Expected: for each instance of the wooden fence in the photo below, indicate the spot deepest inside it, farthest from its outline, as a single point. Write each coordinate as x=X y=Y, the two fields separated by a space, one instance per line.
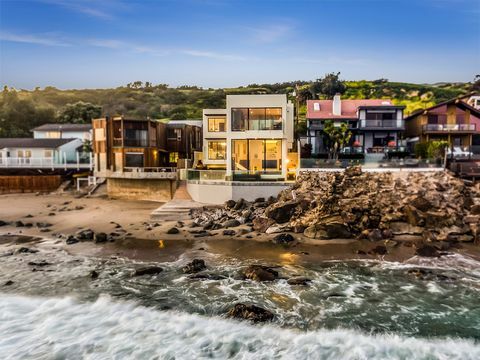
x=29 y=183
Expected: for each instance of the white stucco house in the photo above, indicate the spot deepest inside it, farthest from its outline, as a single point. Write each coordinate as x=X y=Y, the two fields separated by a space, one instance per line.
x=63 y=131
x=250 y=138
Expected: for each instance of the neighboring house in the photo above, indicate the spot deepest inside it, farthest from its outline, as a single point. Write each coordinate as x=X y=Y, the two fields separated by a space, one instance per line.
x=374 y=123
x=63 y=131
x=184 y=138
x=455 y=121
x=251 y=138
x=39 y=153
x=124 y=143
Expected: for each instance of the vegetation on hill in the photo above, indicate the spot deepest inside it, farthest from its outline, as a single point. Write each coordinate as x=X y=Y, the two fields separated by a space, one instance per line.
x=21 y=110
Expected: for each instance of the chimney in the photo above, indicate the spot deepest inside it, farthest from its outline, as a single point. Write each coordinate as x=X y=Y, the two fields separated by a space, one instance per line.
x=337 y=105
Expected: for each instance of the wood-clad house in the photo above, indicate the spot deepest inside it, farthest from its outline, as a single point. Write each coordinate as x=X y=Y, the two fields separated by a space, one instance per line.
x=454 y=120
x=122 y=143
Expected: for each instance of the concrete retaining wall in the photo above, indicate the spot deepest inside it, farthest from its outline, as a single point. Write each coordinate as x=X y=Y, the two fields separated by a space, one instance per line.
x=217 y=192
x=141 y=189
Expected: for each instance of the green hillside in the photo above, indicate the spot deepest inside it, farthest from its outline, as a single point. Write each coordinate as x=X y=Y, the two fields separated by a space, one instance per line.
x=20 y=110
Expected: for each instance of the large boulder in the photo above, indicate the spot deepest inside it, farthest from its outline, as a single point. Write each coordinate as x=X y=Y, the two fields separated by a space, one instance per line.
x=421 y=203
x=259 y=273
x=328 y=228
x=101 y=237
x=231 y=223
x=148 y=270
x=281 y=212
x=85 y=234
x=402 y=228
x=427 y=251
x=283 y=239
x=250 y=312
x=195 y=266
x=261 y=224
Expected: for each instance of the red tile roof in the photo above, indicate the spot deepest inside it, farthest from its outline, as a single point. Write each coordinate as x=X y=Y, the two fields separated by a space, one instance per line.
x=349 y=108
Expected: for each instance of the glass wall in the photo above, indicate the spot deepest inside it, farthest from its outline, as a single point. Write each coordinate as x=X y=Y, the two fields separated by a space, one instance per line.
x=256 y=119
x=216 y=124
x=217 y=149
x=257 y=155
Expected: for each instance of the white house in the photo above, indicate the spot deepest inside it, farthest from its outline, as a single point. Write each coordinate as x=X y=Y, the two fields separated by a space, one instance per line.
x=63 y=131
x=40 y=153
x=250 y=138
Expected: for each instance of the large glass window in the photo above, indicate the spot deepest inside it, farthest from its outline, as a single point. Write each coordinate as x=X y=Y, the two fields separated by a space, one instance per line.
x=256 y=119
x=53 y=134
x=216 y=124
x=134 y=160
x=257 y=155
x=174 y=133
x=135 y=134
x=239 y=119
x=217 y=149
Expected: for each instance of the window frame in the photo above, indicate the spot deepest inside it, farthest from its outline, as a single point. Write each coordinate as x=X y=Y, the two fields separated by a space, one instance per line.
x=210 y=141
x=216 y=124
x=265 y=119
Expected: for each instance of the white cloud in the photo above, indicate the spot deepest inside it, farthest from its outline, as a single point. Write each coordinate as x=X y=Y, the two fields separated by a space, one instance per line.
x=37 y=39
x=270 y=34
x=86 y=7
x=212 y=55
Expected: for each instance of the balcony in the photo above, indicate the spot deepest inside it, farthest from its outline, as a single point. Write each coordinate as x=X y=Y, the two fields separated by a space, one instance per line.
x=446 y=128
x=46 y=163
x=381 y=124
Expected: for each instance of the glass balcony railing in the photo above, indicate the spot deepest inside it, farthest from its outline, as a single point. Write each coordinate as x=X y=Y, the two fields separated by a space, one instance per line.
x=206 y=175
x=449 y=127
x=379 y=124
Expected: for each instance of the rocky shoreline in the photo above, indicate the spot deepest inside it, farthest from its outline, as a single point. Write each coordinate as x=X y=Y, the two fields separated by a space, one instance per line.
x=432 y=212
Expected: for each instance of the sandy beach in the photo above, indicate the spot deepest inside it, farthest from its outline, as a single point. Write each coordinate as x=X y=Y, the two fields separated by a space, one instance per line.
x=146 y=240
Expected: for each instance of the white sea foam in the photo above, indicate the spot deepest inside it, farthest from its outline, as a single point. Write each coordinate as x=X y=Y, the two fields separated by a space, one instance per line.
x=47 y=328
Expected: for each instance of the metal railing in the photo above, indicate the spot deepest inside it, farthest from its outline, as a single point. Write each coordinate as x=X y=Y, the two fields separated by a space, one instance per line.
x=381 y=163
x=396 y=124
x=44 y=162
x=449 y=127
x=206 y=175
x=149 y=169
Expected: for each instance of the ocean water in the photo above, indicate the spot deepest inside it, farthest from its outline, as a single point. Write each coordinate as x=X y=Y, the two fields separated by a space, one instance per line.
x=351 y=310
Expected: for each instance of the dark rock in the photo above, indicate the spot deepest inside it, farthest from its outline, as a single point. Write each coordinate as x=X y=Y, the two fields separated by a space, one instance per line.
x=51 y=214
x=250 y=312
x=231 y=223
x=148 y=270
x=3 y=223
x=361 y=252
x=259 y=273
x=43 y=225
x=45 y=230
x=387 y=234
x=195 y=266
x=282 y=239
x=87 y=234
x=25 y=250
x=378 y=250
x=329 y=228
x=229 y=204
x=259 y=200
x=421 y=203
x=79 y=207
x=261 y=224
x=40 y=263
x=240 y=204
x=215 y=277
x=229 y=232
x=375 y=235
x=281 y=212
x=475 y=210
x=8 y=283
x=427 y=251
x=29 y=216
x=29 y=225
x=202 y=234
x=101 y=237
x=71 y=240
x=18 y=223
x=93 y=275
x=299 y=281
x=173 y=231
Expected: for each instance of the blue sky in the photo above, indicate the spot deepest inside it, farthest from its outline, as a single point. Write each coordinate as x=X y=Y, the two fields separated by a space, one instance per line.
x=222 y=43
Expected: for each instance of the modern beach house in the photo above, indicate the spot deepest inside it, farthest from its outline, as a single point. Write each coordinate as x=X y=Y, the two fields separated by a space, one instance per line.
x=251 y=138
x=456 y=121
x=63 y=131
x=376 y=124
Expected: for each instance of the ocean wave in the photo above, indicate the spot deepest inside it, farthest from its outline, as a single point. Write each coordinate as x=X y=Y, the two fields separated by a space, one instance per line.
x=46 y=328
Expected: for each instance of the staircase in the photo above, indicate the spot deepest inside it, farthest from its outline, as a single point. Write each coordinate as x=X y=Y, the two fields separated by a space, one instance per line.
x=178 y=208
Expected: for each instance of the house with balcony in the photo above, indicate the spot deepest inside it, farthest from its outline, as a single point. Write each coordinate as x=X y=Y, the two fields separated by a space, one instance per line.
x=376 y=124
x=184 y=139
x=63 y=131
x=251 y=138
x=28 y=153
x=456 y=121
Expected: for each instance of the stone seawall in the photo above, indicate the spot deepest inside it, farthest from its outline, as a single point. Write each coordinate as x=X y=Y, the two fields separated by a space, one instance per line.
x=141 y=189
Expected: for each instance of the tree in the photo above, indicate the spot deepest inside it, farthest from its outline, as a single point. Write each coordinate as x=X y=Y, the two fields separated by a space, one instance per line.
x=329 y=86
x=476 y=83
x=337 y=136
x=79 y=113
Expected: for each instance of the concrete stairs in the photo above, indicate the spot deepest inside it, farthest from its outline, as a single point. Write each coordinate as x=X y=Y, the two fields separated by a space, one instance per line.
x=178 y=208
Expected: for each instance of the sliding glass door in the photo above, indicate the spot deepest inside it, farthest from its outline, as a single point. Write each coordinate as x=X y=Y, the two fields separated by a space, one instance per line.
x=257 y=156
